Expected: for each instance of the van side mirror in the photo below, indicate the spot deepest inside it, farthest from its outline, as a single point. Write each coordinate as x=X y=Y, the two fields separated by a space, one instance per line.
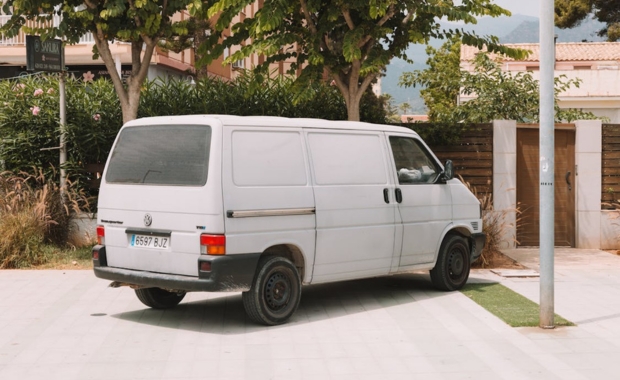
x=448 y=171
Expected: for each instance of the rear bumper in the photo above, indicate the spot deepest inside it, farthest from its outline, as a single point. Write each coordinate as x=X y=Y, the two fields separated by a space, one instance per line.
x=479 y=240
x=228 y=273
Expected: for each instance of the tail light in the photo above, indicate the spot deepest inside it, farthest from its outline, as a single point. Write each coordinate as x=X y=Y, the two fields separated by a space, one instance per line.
x=100 y=235
x=212 y=244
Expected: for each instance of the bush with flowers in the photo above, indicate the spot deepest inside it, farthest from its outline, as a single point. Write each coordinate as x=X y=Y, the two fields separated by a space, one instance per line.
x=30 y=131
x=29 y=116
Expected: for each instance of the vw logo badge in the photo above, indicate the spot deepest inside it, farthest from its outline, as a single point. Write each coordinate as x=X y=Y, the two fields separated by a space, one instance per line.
x=148 y=219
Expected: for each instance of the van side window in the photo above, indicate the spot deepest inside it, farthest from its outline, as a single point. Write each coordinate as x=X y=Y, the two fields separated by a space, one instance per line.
x=413 y=164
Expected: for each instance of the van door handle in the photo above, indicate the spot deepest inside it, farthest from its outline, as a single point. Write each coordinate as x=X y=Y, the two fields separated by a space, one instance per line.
x=570 y=187
x=399 y=195
x=386 y=195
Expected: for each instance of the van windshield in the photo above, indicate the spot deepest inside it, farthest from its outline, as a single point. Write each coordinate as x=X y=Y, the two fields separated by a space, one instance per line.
x=161 y=155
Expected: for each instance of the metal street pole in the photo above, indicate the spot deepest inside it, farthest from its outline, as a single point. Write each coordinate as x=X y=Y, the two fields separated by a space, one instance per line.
x=63 y=123
x=547 y=161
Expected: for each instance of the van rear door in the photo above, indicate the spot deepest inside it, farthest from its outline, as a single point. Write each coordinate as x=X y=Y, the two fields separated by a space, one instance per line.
x=160 y=191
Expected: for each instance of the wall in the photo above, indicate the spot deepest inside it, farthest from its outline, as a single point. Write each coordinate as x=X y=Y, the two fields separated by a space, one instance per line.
x=593 y=227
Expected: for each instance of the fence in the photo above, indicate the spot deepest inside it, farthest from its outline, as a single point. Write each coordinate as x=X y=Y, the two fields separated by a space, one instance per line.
x=610 y=166
x=472 y=156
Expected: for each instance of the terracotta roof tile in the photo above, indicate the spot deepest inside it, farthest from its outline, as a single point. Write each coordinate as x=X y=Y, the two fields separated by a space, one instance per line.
x=569 y=51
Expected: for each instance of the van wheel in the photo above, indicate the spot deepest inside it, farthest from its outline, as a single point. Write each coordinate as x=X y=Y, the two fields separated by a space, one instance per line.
x=275 y=292
x=452 y=268
x=159 y=298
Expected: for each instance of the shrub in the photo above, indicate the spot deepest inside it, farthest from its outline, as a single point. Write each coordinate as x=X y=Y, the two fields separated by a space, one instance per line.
x=29 y=116
x=494 y=225
x=32 y=215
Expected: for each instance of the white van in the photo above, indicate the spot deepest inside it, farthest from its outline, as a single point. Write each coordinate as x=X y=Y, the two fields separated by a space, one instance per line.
x=263 y=205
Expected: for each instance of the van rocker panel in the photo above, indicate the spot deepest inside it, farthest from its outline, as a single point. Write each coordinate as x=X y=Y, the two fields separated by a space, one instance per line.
x=228 y=273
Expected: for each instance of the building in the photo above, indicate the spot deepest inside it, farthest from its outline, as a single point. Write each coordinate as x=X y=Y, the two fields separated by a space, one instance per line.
x=597 y=64
x=78 y=57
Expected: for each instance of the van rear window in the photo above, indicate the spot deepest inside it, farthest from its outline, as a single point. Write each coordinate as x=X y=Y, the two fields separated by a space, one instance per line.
x=161 y=155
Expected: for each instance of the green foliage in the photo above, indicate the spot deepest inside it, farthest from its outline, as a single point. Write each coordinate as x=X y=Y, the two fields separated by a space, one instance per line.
x=440 y=81
x=352 y=41
x=569 y=13
x=251 y=94
x=496 y=95
x=29 y=122
x=94 y=116
x=144 y=24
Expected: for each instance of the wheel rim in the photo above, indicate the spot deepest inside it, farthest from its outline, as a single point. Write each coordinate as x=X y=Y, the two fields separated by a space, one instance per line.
x=456 y=264
x=277 y=291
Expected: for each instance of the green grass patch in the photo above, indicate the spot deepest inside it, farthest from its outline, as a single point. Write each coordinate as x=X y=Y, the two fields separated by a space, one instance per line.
x=60 y=258
x=507 y=305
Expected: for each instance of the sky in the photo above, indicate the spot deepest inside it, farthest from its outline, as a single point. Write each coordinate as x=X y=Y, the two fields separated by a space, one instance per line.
x=524 y=7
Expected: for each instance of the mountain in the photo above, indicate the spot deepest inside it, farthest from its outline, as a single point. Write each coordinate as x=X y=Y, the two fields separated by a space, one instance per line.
x=528 y=31
x=514 y=29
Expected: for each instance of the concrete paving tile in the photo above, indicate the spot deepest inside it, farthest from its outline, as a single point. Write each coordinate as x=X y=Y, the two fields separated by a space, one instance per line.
x=313 y=367
x=339 y=366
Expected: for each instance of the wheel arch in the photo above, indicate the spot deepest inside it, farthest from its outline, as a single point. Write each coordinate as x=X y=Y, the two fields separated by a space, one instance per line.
x=291 y=252
x=461 y=229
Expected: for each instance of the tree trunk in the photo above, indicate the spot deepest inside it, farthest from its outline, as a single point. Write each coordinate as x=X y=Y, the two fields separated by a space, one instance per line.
x=352 y=90
x=353 y=106
x=129 y=94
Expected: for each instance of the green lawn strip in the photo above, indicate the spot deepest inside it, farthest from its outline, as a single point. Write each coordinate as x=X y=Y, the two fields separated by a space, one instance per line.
x=67 y=258
x=507 y=305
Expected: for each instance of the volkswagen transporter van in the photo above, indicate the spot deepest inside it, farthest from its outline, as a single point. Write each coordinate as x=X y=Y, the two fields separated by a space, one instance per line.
x=264 y=205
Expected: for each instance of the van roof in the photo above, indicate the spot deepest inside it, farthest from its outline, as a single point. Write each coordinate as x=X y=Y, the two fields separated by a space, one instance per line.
x=269 y=121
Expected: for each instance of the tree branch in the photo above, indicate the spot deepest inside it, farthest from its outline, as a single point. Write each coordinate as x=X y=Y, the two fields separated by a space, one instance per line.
x=347 y=18
x=104 y=50
x=388 y=15
x=311 y=24
x=136 y=19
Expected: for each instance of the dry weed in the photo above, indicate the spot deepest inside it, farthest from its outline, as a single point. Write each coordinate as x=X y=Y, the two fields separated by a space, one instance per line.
x=32 y=214
x=496 y=226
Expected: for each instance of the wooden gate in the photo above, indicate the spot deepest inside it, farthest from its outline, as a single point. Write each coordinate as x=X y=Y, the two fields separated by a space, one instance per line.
x=528 y=186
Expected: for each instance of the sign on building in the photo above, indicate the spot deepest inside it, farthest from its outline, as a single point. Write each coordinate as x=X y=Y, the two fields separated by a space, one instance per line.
x=48 y=55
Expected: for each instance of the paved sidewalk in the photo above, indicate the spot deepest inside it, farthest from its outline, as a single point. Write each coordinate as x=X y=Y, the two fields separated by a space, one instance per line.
x=70 y=325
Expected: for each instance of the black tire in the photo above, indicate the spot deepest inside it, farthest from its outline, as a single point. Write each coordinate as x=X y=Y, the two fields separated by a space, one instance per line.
x=275 y=292
x=452 y=268
x=159 y=298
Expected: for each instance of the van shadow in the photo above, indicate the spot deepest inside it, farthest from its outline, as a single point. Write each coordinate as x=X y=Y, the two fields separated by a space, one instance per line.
x=223 y=313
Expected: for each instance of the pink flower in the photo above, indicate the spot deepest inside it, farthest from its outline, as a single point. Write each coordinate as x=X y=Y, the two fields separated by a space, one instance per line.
x=50 y=91
x=35 y=110
x=38 y=92
x=97 y=117
x=88 y=76
x=332 y=83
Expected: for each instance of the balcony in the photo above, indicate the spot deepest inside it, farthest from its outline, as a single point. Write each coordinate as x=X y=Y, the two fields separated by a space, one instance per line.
x=20 y=39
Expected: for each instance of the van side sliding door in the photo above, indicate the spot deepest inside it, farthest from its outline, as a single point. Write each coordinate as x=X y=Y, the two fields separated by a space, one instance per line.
x=424 y=204
x=355 y=208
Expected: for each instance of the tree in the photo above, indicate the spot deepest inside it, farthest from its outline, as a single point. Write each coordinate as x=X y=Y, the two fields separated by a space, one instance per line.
x=569 y=13
x=405 y=107
x=498 y=94
x=144 y=24
x=441 y=80
x=349 y=41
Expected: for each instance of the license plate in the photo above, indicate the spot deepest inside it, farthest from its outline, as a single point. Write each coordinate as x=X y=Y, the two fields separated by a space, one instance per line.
x=144 y=241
